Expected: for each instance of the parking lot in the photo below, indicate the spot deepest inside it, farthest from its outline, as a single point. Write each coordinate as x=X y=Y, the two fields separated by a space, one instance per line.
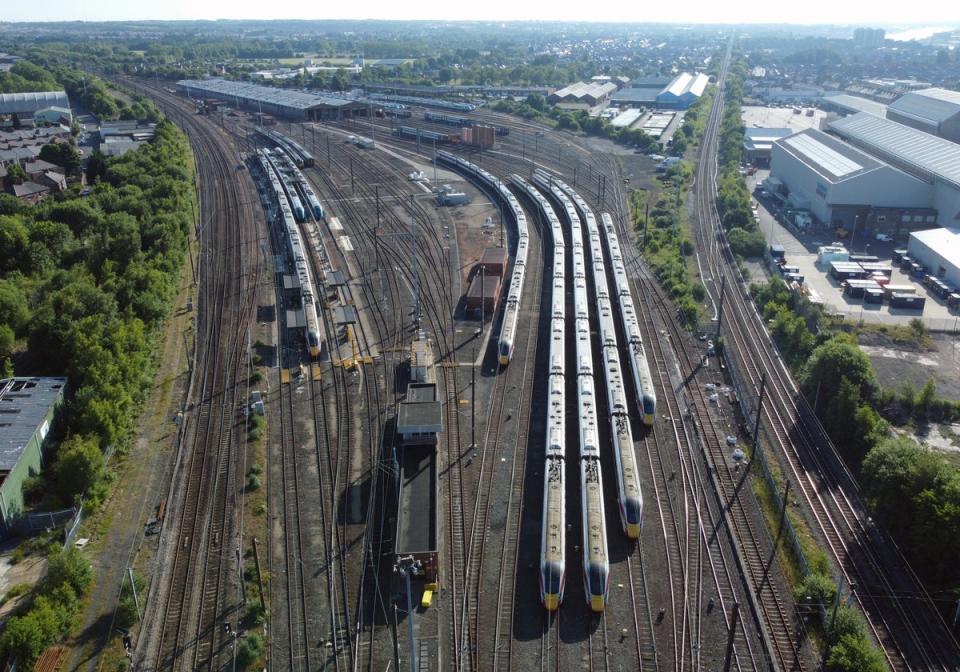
x=801 y=251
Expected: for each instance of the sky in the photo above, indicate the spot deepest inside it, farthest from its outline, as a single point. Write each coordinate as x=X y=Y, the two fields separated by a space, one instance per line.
x=891 y=14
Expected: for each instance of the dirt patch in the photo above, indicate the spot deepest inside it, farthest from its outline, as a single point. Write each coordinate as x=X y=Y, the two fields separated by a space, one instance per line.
x=27 y=572
x=899 y=364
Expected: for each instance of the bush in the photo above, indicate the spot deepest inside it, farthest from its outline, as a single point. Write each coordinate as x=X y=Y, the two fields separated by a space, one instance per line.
x=815 y=588
x=253 y=483
x=249 y=650
x=855 y=653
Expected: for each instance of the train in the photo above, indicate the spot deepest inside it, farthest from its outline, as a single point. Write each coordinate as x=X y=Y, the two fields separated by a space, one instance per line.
x=281 y=163
x=300 y=155
x=303 y=187
x=629 y=493
x=425 y=135
x=462 y=122
x=639 y=366
x=424 y=102
x=596 y=562
x=511 y=311
x=298 y=253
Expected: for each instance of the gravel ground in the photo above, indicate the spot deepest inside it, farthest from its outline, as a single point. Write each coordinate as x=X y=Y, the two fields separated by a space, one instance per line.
x=143 y=479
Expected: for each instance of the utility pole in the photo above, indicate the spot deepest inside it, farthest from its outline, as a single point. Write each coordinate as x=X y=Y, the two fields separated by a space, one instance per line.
x=723 y=287
x=351 y=175
x=133 y=589
x=756 y=424
x=734 y=619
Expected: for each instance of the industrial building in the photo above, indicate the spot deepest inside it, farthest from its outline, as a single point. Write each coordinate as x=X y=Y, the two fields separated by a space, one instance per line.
x=843 y=186
x=683 y=91
x=939 y=251
x=28 y=407
x=280 y=102
x=935 y=111
x=845 y=104
x=933 y=160
x=26 y=104
x=758 y=143
x=643 y=91
x=583 y=95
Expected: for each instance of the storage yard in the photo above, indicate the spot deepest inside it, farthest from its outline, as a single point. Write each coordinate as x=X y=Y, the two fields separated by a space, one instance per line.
x=508 y=453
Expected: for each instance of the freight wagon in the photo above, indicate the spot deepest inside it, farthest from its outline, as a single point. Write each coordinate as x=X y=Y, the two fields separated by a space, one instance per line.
x=423 y=135
x=462 y=122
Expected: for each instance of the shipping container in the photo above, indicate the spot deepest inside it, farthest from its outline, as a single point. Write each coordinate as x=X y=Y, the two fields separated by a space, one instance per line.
x=890 y=290
x=793 y=277
x=863 y=259
x=484 y=291
x=905 y=262
x=877 y=267
x=898 y=255
x=494 y=261
x=777 y=251
x=873 y=296
x=953 y=301
x=844 y=270
x=907 y=301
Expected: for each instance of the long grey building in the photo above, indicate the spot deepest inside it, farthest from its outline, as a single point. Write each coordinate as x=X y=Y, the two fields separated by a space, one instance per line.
x=841 y=185
x=280 y=102
x=931 y=159
x=25 y=104
x=935 y=111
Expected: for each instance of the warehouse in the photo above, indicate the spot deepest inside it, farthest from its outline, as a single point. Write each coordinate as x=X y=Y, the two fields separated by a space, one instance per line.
x=280 y=102
x=931 y=159
x=844 y=103
x=582 y=95
x=28 y=407
x=758 y=144
x=842 y=186
x=939 y=251
x=642 y=92
x=683 y=91
x=935 y=111
x=24 y=105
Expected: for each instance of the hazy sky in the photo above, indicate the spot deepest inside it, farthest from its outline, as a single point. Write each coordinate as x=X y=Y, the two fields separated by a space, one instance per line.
x=890 y=12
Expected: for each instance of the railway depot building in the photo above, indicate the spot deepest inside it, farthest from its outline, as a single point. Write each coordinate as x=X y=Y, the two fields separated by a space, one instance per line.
x=841 y=185
x=286 y=103
x=28 y=407
x=935 y=111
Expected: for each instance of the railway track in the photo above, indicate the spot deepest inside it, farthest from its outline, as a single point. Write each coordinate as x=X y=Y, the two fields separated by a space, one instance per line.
x=913 y=634
x=186 y=630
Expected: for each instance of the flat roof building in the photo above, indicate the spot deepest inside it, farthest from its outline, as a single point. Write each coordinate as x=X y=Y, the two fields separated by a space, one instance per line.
x=758 y=143
x=928 y=157
x=280 y=102
x=939 y=251
x=25 y=104
x=934 y=110
x=844 y=103
x=28 y=407
x=843 y=186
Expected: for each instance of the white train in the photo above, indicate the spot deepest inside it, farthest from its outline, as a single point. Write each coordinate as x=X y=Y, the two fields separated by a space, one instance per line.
x=596 y=565
x=299 y=254
x=642 y=379
x=284 y=167
x=629 y=495
x=511 y=312
x=300 y=182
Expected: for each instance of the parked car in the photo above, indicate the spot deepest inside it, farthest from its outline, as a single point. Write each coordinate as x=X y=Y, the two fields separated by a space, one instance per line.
x=884 y=237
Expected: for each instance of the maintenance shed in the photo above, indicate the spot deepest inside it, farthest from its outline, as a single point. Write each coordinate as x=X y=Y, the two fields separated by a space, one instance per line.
x=420 y=420
x=758 y=143
x=28 y=407
x=25 y=104
x=939 y=251
x=280 y=102
x=934 y=110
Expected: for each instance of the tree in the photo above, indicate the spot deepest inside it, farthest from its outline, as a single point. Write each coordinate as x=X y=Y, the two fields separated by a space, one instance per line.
x=96 y=166
x=68 y=567
x=61 y=154
x=16 y=174
x=78 y=466
x=855 y=653
x=830 y=363
x=24 y=640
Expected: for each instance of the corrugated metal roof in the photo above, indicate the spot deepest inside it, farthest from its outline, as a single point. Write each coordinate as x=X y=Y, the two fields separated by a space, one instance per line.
x=932 y=105
x=924 y=153
x=856 y=103
x=297 y=100
x=24 y=403
x=828 y=156
x=686 y=83
x=11 y=103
